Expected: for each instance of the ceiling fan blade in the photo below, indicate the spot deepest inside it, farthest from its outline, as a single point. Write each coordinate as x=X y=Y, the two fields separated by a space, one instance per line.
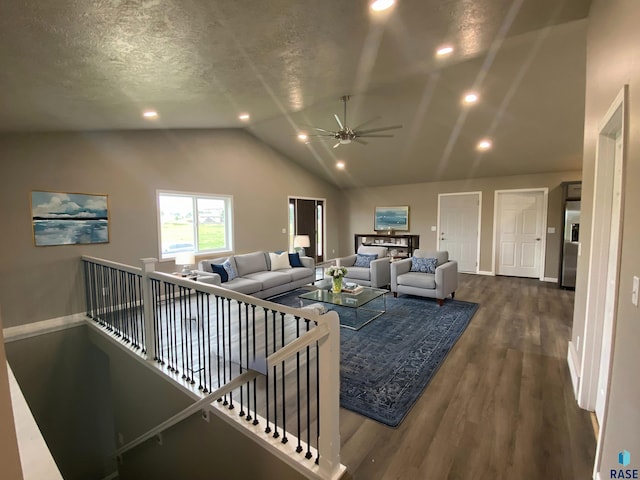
x=330 y=134
x=371 y=130
x=322 y=129
x=336 y=145
x=376 y=135
x=367 y=122
x=339 y=122
x=360 y=141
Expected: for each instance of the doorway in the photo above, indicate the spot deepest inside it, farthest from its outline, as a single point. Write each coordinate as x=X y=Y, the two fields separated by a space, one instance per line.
x=604 y=262
x=519 y=240
x=307 y=217
x=459 y=228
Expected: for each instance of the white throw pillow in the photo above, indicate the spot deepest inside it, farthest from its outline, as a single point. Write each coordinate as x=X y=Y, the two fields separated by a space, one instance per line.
x=279 y=260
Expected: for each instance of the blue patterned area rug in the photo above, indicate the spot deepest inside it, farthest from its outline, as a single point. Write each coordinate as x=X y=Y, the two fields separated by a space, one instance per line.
x=385 y=366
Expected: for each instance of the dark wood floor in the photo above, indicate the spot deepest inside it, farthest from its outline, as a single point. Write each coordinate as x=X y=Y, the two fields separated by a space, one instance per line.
x=500 y=407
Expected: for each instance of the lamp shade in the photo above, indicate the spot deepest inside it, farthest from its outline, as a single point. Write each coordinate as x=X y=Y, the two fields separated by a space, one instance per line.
x=185 y=258
x=301 y=241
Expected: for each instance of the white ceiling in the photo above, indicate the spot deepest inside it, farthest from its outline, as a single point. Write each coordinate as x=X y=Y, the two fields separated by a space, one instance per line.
x=96 y=64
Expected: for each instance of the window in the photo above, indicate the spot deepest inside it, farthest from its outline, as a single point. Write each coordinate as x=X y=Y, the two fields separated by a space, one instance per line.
x=194 y=223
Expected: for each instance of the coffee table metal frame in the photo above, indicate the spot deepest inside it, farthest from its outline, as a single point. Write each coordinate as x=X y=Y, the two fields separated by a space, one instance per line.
x=360 y=302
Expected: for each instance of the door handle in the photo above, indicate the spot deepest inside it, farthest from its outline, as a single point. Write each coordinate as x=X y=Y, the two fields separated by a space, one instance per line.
x=538 y=239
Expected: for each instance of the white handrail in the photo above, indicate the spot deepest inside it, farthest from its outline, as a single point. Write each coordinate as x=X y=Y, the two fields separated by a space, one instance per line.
x=241 y=379
x=108 y=263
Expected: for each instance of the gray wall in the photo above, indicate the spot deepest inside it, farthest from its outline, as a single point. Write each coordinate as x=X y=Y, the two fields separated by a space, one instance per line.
x=38 y=283
x=422 y=199
x=192 y=449
x=9 y=455
x=66 y=385
x=612 y=61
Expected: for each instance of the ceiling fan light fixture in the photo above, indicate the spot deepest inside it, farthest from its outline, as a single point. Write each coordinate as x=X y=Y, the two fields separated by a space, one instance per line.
x=345 y=141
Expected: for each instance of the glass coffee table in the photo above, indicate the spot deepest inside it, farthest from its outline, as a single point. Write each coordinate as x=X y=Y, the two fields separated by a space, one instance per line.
x=355 y=309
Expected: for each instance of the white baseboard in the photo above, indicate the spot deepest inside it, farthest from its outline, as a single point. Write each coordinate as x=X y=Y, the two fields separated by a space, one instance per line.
x=28 y=330
x=490 y=274
x=573 y=369
x=550 y=279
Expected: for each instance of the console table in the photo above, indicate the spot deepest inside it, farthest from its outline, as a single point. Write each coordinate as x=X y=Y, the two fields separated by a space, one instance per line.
x=404 y=245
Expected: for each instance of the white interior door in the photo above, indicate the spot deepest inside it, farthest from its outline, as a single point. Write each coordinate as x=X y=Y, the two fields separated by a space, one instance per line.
x=459 y=227
x=521 y=220
x=612 y=283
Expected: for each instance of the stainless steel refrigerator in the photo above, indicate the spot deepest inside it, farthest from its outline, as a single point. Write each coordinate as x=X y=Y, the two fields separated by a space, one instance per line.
x=571 y=237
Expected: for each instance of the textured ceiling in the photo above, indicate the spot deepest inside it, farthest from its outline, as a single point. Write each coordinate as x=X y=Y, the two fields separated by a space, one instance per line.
x=96 y=64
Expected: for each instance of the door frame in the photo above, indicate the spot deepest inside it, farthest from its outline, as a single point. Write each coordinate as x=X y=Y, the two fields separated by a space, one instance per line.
x=479 y=195
x=543 y=238
x=614 y=121
x=324 y=221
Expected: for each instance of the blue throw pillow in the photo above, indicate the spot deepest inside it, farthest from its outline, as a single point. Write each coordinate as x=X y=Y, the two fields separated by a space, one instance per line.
x=231 y=272
x=294 y=260
x=219 y=269
x=423 y=265
x=365 y=259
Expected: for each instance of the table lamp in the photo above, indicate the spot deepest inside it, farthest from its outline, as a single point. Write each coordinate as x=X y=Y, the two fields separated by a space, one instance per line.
x=186 y=259
x=300 y=242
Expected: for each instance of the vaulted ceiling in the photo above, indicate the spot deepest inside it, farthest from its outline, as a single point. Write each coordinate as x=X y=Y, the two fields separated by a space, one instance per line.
x=98 y=64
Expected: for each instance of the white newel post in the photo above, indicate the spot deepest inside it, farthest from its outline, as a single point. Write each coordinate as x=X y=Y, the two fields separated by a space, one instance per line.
x=148 y=266
x=329 y=378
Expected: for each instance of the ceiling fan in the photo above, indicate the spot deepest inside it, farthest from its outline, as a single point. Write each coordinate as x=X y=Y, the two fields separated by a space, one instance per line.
x=346 y=134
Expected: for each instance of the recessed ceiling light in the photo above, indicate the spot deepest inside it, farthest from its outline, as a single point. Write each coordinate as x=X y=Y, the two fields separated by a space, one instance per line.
x=444 y=50
x=244 y=116
x=470 y=97
x=150 y=114
x=380 y=5
x=302 y=137
x=484 y=144
x=340 y=165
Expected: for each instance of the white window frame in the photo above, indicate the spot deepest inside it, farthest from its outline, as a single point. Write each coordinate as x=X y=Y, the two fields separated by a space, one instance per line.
x=228 y=221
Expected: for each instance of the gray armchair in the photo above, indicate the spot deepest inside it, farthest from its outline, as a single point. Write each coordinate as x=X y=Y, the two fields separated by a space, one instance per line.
x=377 y=275
x=438 y=285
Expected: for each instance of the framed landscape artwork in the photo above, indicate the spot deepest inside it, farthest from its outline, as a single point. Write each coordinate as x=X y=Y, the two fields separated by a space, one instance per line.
x=69 y=218
x=391 y=218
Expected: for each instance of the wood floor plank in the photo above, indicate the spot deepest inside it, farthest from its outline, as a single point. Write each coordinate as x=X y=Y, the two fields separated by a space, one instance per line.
x=500 y=407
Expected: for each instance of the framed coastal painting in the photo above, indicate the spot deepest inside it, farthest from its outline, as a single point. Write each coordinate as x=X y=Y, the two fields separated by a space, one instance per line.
x=391 y=218
x=69 y=218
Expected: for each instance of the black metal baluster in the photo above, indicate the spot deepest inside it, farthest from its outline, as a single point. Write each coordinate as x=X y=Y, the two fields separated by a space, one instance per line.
x=201 y=361
x=255 y=380
x=219 y=308
x=141 y=317
x=284 y=396
x=266 y=353
x=224 y=352
x=206 y=297
x=240 y=353
x=317 y=399
x=275 y=377
x=231 y=406
x=299 y=447
x=308 y=454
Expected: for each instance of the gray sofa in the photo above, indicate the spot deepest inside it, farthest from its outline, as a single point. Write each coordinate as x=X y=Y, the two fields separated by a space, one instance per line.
x=254 y=274
x=376 y=275
x=438 y=285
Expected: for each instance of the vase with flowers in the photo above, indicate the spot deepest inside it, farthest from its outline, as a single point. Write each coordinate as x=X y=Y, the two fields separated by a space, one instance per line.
x=336 y=273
